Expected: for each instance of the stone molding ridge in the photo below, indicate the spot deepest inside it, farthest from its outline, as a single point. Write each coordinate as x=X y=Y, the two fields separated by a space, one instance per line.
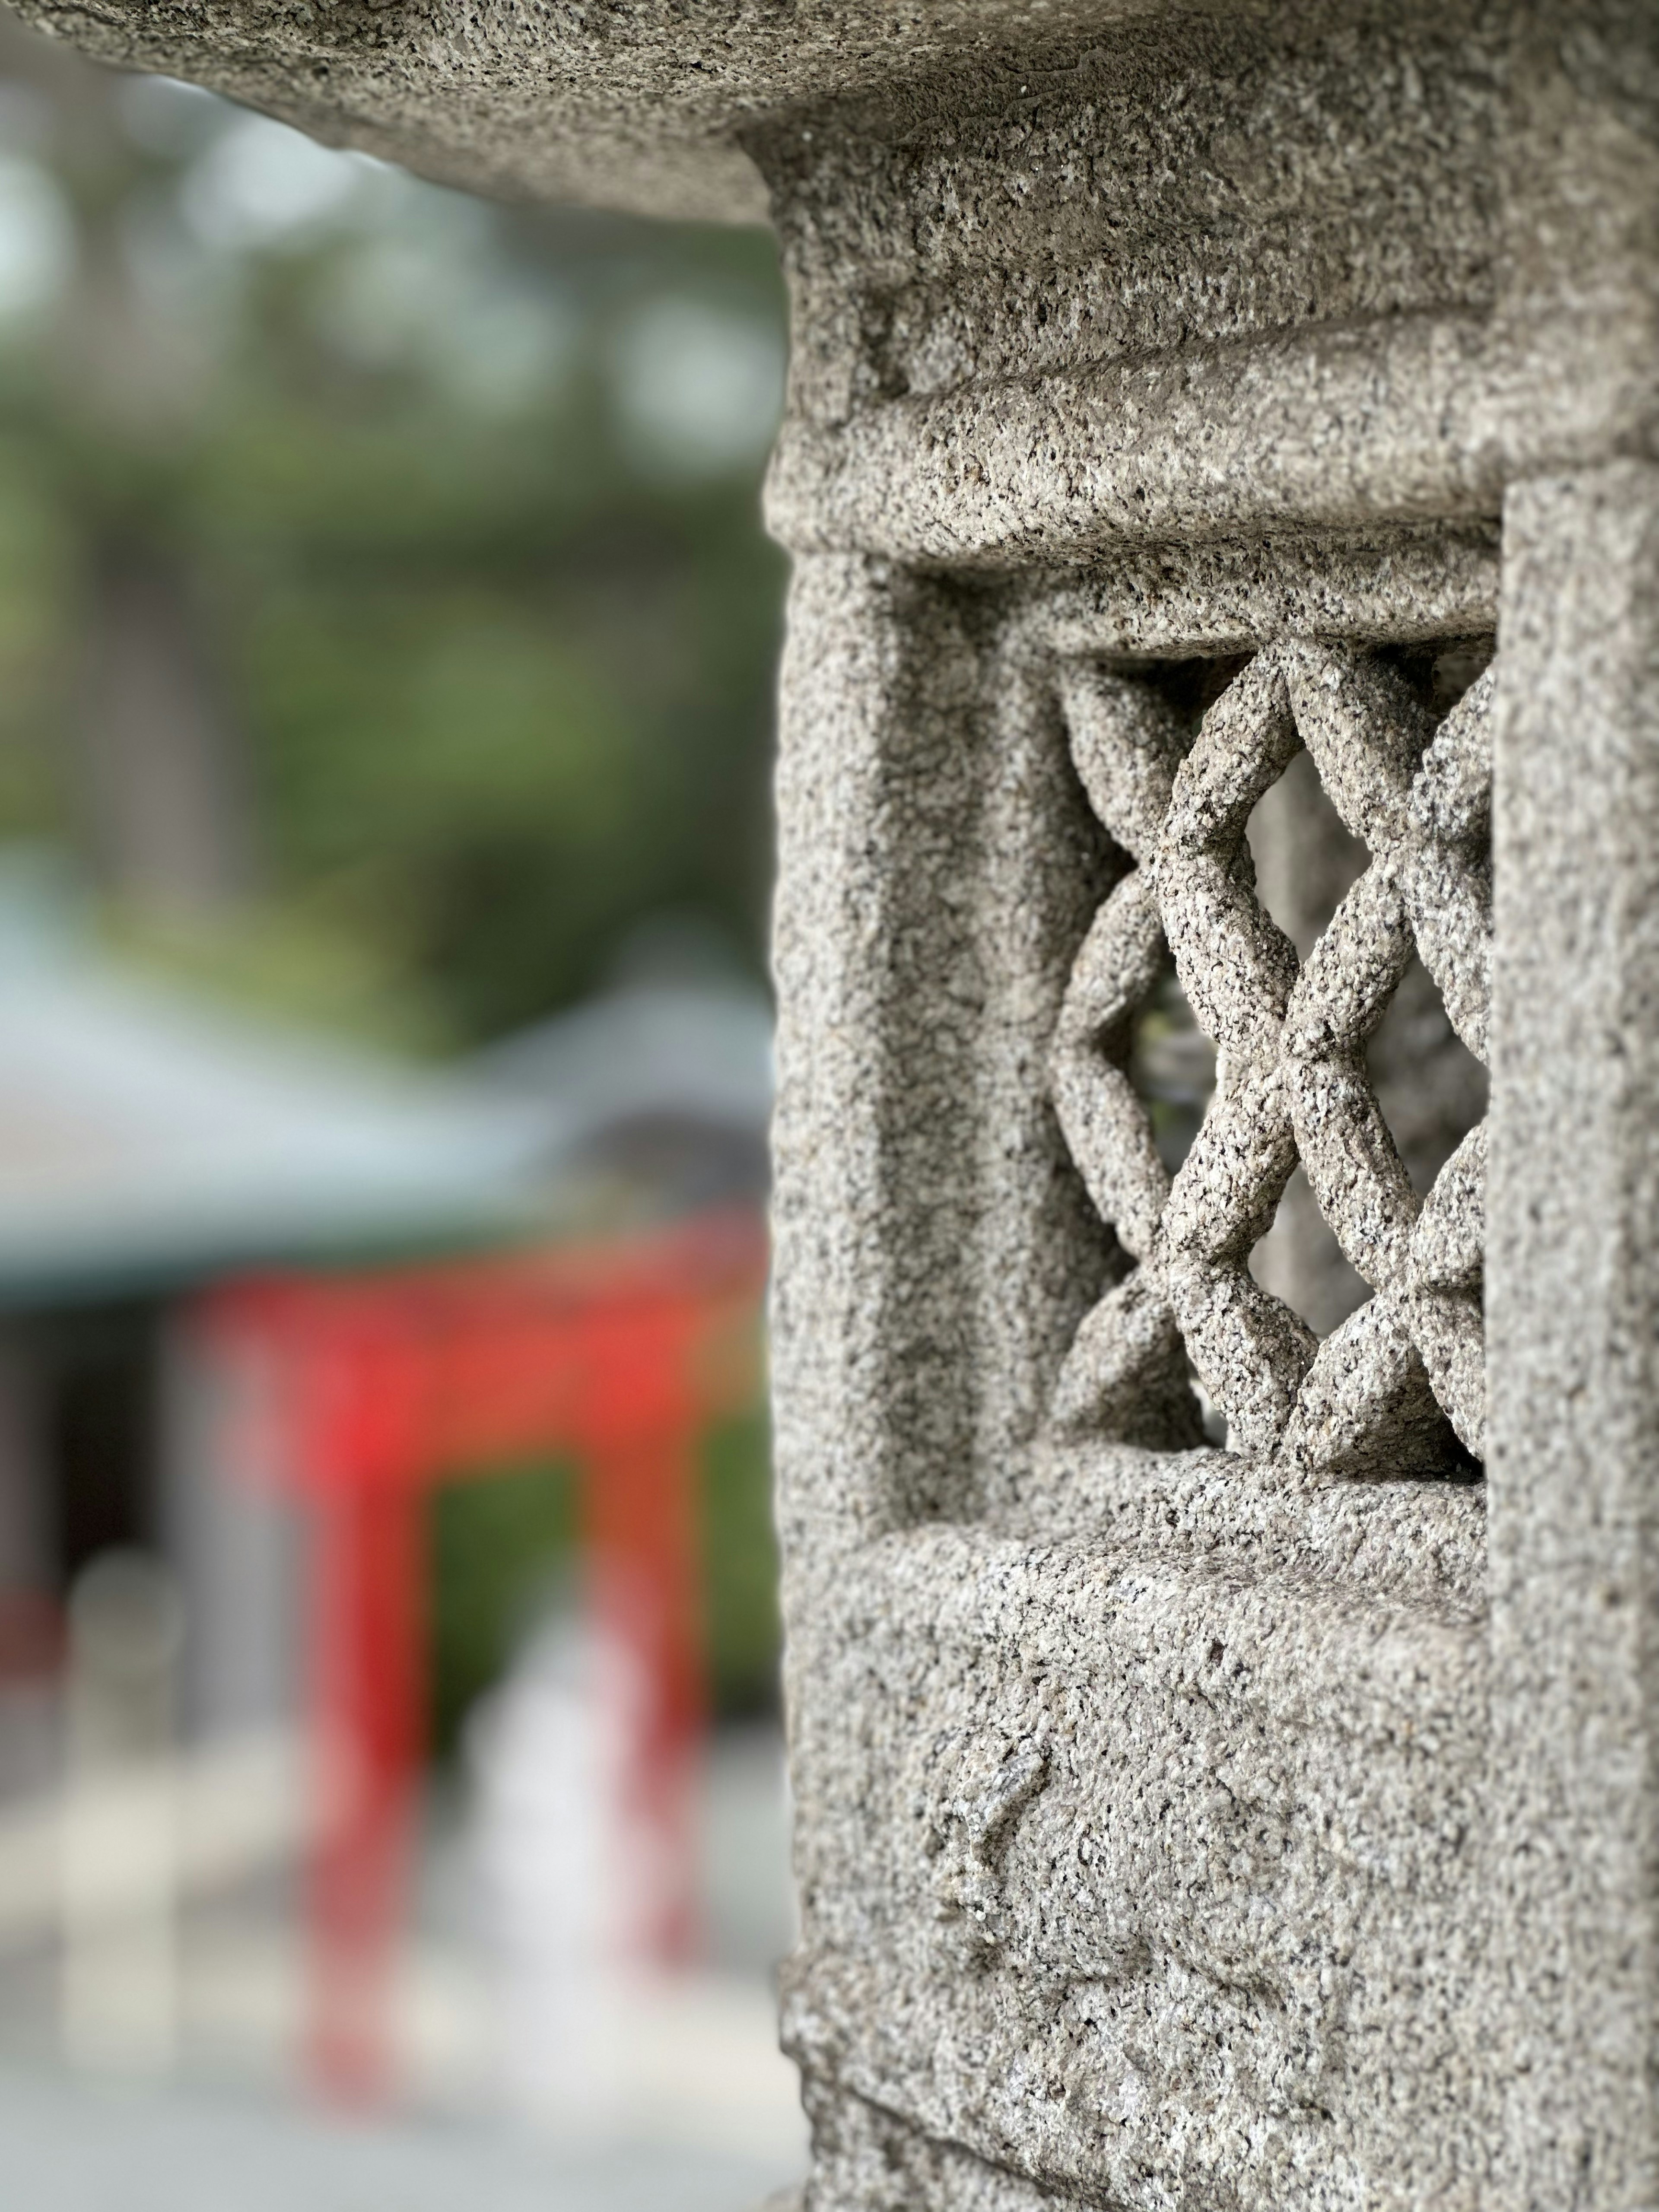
x=1409 y=419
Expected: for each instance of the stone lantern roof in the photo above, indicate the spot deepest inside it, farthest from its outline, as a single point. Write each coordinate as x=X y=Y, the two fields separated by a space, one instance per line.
x=644 y=105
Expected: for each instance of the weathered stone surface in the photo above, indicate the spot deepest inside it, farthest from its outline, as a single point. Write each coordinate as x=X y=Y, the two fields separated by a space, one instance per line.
x=1084 y=1897
x=1292 y=1033
x=975 y=1586
x=1183 y=1825
x=643 y=104
x=1572 y=1292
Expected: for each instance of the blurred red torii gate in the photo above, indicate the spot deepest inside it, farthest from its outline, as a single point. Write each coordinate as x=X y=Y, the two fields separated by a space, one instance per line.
x=356 y=1394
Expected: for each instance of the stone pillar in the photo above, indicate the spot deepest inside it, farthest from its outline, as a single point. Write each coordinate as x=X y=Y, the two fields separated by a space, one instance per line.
x=1573 y=1319
x=1217 y=468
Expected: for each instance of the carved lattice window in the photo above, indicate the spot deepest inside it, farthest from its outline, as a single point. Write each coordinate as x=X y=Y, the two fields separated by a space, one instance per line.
x=1400 y=1386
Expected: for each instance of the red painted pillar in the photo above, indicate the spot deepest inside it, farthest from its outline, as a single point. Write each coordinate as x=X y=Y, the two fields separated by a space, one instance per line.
x=639 y=1421
x=369 y=1577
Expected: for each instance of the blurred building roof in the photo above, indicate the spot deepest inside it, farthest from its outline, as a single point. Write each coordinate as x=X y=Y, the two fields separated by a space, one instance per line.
x=662 y=1086
x=699 y=1049
x=148 y=1134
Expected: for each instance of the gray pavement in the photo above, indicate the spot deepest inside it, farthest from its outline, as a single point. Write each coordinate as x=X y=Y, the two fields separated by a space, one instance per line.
x=70 y=2147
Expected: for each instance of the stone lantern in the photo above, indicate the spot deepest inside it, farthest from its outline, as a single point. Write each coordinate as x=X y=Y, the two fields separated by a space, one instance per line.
x=1226 y=1735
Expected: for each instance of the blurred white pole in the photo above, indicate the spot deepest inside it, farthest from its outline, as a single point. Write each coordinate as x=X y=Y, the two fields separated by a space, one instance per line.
x=118 y=1993
x=561 y=1871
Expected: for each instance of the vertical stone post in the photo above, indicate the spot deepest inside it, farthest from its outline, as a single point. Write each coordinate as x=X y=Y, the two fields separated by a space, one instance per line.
x=1572 y=1307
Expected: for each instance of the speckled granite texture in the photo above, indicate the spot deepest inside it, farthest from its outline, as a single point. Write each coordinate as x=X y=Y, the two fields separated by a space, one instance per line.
x=1399 y=1387
x=1188 y=405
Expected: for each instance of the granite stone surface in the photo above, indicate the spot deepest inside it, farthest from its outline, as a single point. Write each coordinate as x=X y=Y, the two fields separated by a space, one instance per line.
x=1223 y=466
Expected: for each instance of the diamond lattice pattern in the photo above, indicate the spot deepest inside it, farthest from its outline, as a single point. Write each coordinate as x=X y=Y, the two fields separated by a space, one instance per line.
x=1383 y=1393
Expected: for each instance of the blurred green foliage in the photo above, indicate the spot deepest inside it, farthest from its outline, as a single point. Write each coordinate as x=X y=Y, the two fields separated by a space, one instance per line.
x=502 y=1549
x=740 y=1565
x=465 y=503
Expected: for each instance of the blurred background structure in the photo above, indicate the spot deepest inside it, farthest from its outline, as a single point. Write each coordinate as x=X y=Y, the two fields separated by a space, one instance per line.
x=386 y=640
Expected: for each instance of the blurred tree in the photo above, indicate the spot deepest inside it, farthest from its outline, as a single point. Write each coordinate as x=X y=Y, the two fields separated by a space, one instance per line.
x=394 y=626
